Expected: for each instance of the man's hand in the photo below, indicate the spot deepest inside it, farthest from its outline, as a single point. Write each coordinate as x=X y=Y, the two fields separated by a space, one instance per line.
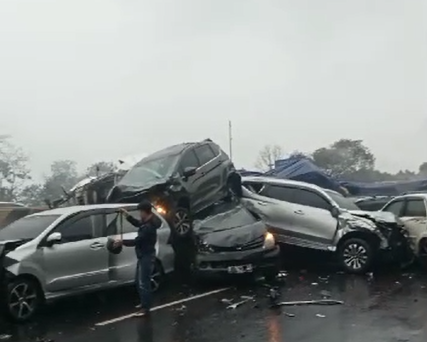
x=124 y=212
x=117 y=243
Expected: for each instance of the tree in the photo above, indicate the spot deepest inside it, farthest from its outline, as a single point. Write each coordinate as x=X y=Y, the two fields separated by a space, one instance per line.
x=344 y=158
x=423 y=169
x=32 y=195
x=63 y=175
x=14 y=172
x=100 y=168
x=268 y=156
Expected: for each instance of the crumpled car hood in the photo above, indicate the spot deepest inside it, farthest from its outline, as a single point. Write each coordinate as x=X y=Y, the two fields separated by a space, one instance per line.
x=234 y=237
x=382 y=216
x=233 y=227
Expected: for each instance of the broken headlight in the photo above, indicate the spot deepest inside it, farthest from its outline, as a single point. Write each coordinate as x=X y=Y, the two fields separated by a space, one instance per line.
x=205 y=248
x=269 y=241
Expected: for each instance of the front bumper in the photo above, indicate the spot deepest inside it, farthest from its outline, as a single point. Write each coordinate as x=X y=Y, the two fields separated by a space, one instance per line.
x=219 y=263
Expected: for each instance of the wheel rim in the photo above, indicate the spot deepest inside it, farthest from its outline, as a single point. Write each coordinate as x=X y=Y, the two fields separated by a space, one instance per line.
x=355 y=256
x=155 y=279
x=182 y=222
x=22 y=300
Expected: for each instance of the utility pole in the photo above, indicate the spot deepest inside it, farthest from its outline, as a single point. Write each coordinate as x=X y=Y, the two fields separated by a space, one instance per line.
x=230 y=140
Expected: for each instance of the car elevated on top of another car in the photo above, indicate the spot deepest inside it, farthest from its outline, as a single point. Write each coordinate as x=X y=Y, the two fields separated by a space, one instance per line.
x=306 y=215
x=63 y=252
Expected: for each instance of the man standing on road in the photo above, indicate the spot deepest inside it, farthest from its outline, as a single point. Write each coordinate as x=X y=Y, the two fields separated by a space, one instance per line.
x=145 y=250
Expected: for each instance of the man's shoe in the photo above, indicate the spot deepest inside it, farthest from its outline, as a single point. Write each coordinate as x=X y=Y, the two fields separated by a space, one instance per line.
x=142 y=313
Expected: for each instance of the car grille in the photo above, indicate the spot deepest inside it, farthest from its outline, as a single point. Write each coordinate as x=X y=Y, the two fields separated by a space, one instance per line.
x=257 y=243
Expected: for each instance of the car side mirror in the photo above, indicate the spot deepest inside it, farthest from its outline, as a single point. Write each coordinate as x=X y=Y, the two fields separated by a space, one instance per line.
x=189 y=171
x=335 y=212
x=53 y=239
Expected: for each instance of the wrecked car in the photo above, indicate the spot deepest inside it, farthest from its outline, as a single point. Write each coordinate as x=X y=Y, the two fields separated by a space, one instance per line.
x=63 y=251
x=181 y=181
x=411 y=209
x=232 y=241
x=308 y=216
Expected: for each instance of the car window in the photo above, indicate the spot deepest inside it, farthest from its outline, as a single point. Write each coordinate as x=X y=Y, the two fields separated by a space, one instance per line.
x=310 y=199
x=394 y=207
x=27 y=228
x=113 y=224
x=204 y=153
x=215 y=148
x=85 y=228
x=189 y=159
x=415 y=207
x=280 y=193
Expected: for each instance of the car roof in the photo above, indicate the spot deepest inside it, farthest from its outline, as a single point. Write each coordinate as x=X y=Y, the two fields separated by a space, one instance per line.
x=280 y=181
x=82 y=208
x=421 y=196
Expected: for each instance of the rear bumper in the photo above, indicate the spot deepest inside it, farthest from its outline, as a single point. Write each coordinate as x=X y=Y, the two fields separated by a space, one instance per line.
x=218 y=263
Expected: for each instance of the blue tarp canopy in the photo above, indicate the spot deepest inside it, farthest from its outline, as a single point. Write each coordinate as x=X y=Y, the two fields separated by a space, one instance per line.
x=304 y=170
x=384 y=188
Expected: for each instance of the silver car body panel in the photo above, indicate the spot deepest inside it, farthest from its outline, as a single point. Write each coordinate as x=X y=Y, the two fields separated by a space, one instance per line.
x=303 y=225
x=81 y=266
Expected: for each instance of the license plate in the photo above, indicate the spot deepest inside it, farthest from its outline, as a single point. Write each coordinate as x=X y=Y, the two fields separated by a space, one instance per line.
x=240 y=269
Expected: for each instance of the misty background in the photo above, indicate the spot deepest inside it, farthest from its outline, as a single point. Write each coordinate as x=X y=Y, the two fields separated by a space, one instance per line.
x=97 y=80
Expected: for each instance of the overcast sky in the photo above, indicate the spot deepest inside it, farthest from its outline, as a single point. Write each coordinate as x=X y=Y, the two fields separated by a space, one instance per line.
x=99 y=79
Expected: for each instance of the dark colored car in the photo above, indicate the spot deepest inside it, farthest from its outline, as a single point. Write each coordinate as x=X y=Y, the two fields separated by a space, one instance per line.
x=373 y=203
x=235 y=241
x=180 y=181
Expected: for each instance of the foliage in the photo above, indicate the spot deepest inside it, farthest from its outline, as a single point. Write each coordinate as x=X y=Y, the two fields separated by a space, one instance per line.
x=14 y=172
x=63 y=176
x=267 y=156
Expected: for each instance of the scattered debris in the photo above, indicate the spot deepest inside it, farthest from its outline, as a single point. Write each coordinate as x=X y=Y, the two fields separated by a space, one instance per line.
x=314 y=284
x=274 y=295
x=226 y=301
x=235 y=305
x=324 y=278
x=325 y=294
x=5 y=337
x=320 y=316
x=289 y=314
x=311 y=302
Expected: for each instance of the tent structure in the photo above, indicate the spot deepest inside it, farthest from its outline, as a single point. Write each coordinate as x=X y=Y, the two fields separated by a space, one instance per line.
x=384 y=188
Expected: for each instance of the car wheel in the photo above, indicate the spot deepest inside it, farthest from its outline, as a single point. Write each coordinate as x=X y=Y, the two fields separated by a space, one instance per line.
x=355 y=255
x=182 y=222
x=157 y=276
x=23 y=299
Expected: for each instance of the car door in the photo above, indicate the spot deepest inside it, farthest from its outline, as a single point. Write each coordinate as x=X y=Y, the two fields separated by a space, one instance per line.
x=192 y=183
x=121 y=266
x=269 y=202
x=80 y=258
x=210 y=185
x=313 y=218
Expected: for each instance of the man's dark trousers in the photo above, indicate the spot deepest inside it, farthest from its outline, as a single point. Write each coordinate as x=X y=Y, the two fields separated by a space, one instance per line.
x=144 y=270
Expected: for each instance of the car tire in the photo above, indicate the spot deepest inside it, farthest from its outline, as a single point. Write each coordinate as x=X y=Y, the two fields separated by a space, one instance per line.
x=356 y=255
x=157 y=276
x=182 y=222
x=23 y=299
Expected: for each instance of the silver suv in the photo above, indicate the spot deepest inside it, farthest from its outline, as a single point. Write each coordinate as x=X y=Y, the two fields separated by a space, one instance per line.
x=63 y=252
x=306 y=215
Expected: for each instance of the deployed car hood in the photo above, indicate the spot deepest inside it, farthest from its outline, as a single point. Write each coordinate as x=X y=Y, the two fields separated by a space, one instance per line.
x=232 y=228
x=381 y=216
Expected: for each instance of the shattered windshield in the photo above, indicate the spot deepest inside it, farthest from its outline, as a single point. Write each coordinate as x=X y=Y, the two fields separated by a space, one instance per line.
x=27 y=228
x=149 y=170
x=343 y=202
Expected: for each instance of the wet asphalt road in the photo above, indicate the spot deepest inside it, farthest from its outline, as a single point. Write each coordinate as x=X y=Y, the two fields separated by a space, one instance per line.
x=389 y=306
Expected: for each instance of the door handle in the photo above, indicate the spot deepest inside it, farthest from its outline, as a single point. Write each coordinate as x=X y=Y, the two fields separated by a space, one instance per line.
x=96 y=245
x=299 y=212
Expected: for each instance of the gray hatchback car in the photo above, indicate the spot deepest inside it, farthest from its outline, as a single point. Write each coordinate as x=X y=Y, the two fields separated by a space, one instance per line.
x=62 y=252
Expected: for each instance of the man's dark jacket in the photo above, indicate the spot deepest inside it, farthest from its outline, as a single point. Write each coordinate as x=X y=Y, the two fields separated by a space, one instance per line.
x=145 y=242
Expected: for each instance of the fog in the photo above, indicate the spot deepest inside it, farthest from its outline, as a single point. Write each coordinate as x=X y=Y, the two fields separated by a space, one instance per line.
x=91 y=80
